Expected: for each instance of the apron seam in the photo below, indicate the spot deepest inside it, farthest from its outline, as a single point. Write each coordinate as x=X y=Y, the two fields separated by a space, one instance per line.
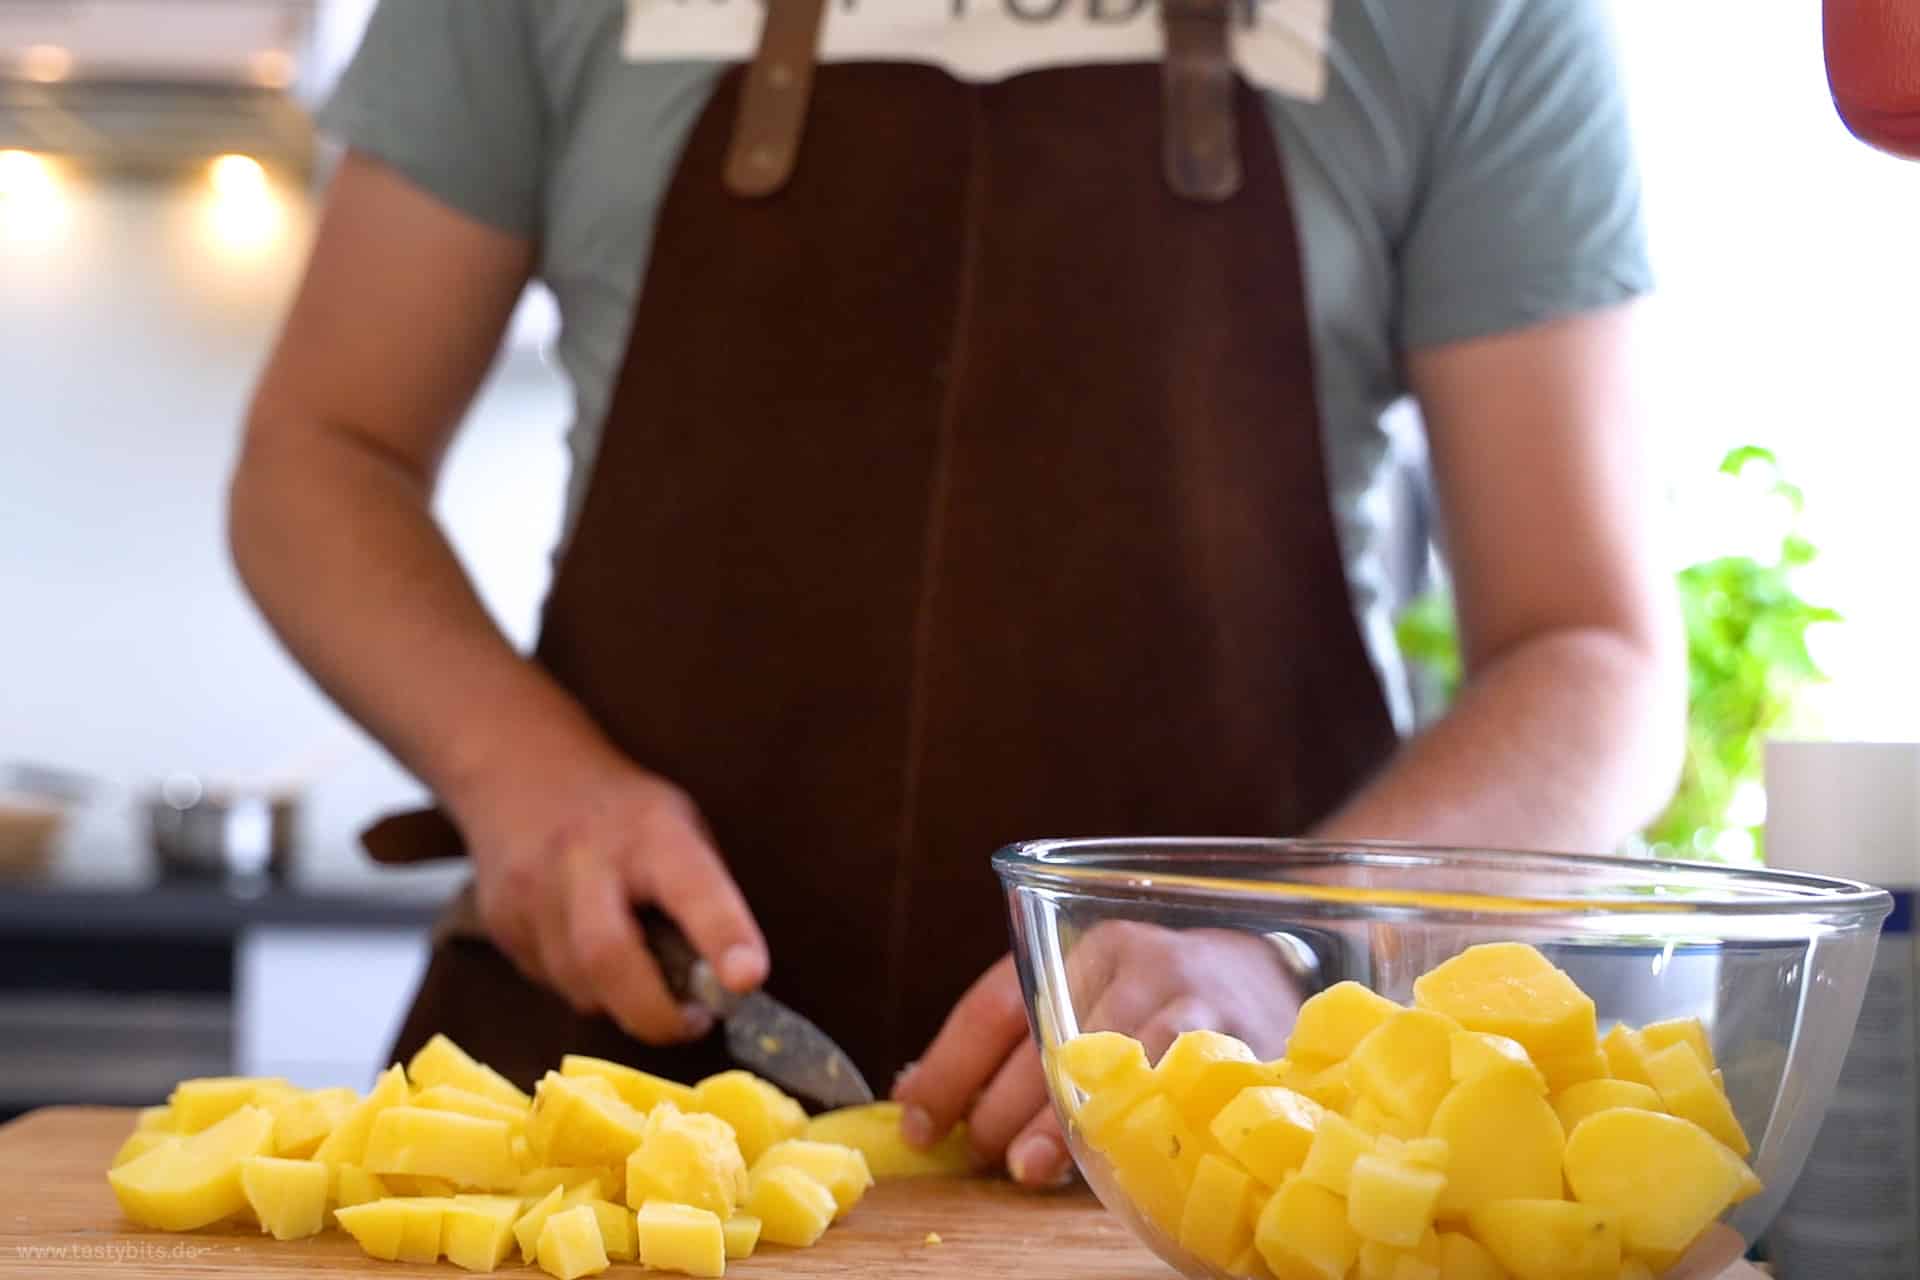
x=934 y=537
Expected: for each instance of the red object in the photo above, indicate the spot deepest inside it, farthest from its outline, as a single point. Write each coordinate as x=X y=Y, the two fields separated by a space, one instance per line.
x=1873 y=64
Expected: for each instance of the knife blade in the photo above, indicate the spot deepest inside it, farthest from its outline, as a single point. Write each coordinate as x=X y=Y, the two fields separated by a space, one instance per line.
x=763 y=1035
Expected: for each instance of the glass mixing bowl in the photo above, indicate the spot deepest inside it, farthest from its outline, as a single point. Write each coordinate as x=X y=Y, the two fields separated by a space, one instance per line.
x=1223 y=933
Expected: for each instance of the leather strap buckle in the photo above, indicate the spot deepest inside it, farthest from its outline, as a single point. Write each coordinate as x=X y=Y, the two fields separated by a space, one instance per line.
x=1200 y=144
x=773 y=99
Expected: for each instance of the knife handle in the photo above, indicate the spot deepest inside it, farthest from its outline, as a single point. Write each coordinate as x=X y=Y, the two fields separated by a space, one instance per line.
x=690 y=979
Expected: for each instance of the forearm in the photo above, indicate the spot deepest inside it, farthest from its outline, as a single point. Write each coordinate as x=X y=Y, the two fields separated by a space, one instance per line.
x=337 y=543
x=1569 y=741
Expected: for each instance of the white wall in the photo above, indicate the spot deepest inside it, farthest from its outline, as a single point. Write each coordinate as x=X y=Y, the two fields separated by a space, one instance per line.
x=132 y=323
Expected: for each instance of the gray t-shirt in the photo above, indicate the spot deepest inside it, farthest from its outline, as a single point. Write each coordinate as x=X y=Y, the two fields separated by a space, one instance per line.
x=1466 y=170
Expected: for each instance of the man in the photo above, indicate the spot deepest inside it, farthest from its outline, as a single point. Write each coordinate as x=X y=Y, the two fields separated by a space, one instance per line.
x=978 y=414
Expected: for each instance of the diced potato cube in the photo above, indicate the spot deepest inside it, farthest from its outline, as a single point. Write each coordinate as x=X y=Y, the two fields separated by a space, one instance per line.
x=202 y=1103
x=686 y=1159
x=1569 y=1069
x=841 y=1170
x=141 y=1141
x=570 y=1245
x=1473 y=1053
x=760 y=1114
x=1380 y=1122
x=1331 y=1087
x=1689 y=1092
x=873 y=1129
x=527 y=1227
x=576 y=1123
x=1403 y=1064
x=742 y=1232
x=420 y=1220
x=302 y=1122
x=1658 y=1035
x=1430 y=1152
x=1503 y=1141
x=463 y=1150
x=1337 y=1144
x=195 y=1182
x=1332 y=1022
x=1582 y=1100
x=1090 y=1058
x=638 y=1089
x=1464 y=1258
x=1626 y=1055
x=1663 y=1179
x=288 y=1197
x=448 y=1097
x=1154 y=1156
x=156 y=1120
x=1409 y=1267
x=1550 y=1239
x=396 y=1230
x=1221 y=1209
x=1202 y=1070
x=441 y=1061
x=1385 y=1262
x=347 y=1143
x=1509 y=989
x=1303 y=1234
x=1249 y=1265
x=1635 y=1269
x=418 y=1186
x=1268 y=1130
x=1216 y=1084
x=793 y=1208
x=352 y=1185
x=1107 y=1107
x=677 y=1237
x=476 y=1232
x=616 y=1230
x=1392 y=1200
x=535 y=1183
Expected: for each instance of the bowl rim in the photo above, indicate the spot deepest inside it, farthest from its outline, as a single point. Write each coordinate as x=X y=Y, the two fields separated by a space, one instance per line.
x=1149 y=866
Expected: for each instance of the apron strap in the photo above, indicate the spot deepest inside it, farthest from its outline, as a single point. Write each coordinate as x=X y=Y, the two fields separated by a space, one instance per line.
x=773 y=101
x=1200 y=141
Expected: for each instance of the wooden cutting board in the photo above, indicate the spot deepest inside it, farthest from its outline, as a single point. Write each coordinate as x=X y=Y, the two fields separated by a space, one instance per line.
x=58 y=1218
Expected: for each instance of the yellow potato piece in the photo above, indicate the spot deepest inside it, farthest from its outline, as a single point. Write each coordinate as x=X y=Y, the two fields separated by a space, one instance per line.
x=570 y=1245
x=441 y=1061
x=396 y=1229
x=686 y=1159
x=203 y=1102
x=1509 y=989
x=156 y=1120
x=1688 y=1091
x=347 y=1143
x=793 y=1208
x=1662 y=1178
x=1225 y=1202
x=1414 y=1268
x=677 y=1237
x=616 y=1230
x=463 y=1150
x=1216 y=1084
x=1430 y=1152
x=1475 y=1053
x=288 y=1197
x=1392 y=1200
x=760 y=1114
x=1658 y=1035
x=449 y=1097
x=1404 y=1064
x=1380 y=1122
x=1550 y=1239
x=841 y=1170
x=1626 y=1055
x=873 y=1130
x=535 y=1183
x=573 y=1122
x=1568 y=1069
x=1582 y=1100
x=1248 y=1265
x=638 y=1089
x=1503 y=1142
x=1464 y=1258
x=742 y=1232
x=302 y=1122
x=1331 y=1087
x=1303 y=1234
x=1154 y=1156
x=527 y=1227
x=476 y=1232
x=1089 y=1059
x=141 y=1141
x=415 y=1186
x=196 y=1182
x=1379 y=1261
x=1332 y=1022
x=1337 y=1145
x=1635 y=1269
x=1268 y=1131
x=1100 y=1117
x=350 y=1185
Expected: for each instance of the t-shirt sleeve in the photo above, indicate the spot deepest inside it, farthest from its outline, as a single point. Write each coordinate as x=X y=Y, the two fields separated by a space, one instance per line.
x=448 y=93
x=1529 y=205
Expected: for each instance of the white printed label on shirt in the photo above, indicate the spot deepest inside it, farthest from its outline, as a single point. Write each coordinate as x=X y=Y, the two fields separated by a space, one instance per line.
x=1280 y=45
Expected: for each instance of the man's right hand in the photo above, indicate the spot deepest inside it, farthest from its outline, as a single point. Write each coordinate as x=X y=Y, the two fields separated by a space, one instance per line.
x=561 y=863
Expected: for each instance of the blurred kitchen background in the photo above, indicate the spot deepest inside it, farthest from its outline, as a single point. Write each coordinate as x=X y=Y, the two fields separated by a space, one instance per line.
x=157 y=179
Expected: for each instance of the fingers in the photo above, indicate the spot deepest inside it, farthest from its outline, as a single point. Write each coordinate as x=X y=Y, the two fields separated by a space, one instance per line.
x=1038 y=1156
x=611 y=960
x=987 y=1024
x=1008 y=1110
x=681 y=871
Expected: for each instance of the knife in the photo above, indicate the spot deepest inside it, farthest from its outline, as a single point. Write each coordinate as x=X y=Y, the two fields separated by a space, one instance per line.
x=763 y=1035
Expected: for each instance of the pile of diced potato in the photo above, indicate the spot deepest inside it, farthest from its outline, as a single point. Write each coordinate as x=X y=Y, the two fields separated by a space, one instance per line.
x=447 y=1158
x=1486 y=1132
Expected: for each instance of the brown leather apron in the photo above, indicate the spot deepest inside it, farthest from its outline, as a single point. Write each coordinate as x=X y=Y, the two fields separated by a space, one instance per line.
x=965 y=488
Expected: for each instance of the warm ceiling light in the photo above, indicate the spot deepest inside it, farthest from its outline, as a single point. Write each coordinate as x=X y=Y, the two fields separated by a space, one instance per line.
x=235 y=176
x=23 y=173
x=46 y=63
x=272 y=68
